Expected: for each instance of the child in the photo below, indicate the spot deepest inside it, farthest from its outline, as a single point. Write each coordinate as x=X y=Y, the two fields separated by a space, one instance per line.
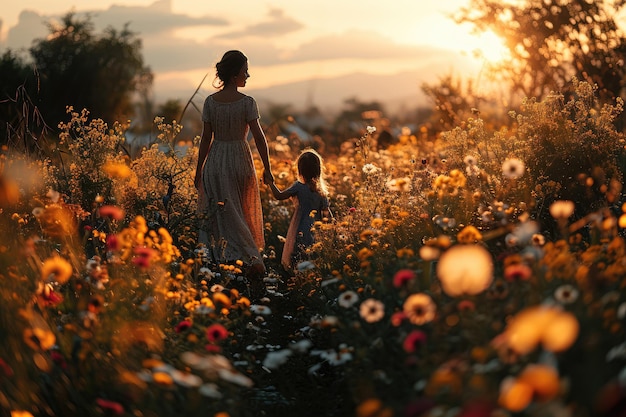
x=311 y=204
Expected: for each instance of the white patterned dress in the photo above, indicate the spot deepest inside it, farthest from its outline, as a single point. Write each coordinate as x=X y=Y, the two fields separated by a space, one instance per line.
x=229 y=203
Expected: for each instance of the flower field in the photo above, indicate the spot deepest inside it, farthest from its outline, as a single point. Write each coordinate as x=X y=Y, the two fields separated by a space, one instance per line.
x=477 y=272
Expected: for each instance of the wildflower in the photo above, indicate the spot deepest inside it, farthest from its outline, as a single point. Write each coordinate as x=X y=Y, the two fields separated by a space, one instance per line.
x=513 y=168
x=556 y=330
x=38 y=338
x=110 y=406
x=112 y=243
x=144 y=256
x=113 y=212
x=419 y=308
x=373 y=407
x=116 y=170
x=185 y=379
x=46 y=295
x=466 y=305
x=397 y=318
x=566 y=294
x=183 y=326
x=369 y=169
x=231 y=375
x=56 y=269
x=465 y=269
x=334 y=357
x=413 y=341
x=399 y=184
x=53 y=195
x=429 y=253
x=469 y=160
x=216 y=332
x=347 y=299
x=275 y=359
x=20 y=413
x=469 y=234
x=217 y=288
x=517 y=272
x=210 y=390
x=372 y=310
x=562 y=209
x=515 y=395
x=260 y=309
x=402 y=277
x=543 y=379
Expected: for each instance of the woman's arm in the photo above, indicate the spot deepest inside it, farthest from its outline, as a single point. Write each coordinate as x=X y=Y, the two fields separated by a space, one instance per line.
x=262 y=148
x=278 y=194
x=205 y=144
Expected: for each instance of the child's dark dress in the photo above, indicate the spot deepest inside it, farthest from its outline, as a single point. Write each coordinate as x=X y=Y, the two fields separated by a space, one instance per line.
x=299 y=235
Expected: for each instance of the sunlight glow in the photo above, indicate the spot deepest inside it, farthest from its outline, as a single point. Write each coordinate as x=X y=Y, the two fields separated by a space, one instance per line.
x=489 y=47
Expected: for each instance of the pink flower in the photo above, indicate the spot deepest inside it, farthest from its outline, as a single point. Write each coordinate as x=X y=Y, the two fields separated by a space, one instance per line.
x=403 y=277
x=413 y=341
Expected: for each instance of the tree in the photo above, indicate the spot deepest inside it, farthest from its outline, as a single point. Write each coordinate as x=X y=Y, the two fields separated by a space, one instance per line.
x=551 y=41
x=81 y=69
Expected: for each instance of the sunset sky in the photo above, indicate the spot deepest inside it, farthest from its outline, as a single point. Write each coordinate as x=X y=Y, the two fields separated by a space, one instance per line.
x=286 y=40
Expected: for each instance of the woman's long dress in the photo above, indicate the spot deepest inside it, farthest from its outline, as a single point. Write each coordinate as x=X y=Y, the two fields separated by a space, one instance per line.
x=229 y=204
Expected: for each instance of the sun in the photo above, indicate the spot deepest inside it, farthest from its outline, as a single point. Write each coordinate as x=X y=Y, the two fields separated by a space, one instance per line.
x=489 y=46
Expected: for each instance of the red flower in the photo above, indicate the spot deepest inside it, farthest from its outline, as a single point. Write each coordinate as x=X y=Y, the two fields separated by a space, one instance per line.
x=143 y=256
x=58 y=359
x=517 y=272
x=397 y=318
x=112 y=406
x=112 y=242
x=413 y=341
x=6 y=369
x=113 y=212
x=403 y=277
x=182 y=326
x=216 y=332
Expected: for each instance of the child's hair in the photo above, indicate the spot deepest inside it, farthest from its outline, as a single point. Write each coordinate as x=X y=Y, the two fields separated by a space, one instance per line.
x=311 y=170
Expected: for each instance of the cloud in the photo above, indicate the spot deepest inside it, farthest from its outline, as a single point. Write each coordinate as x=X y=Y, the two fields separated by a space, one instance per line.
x=156 y=18
x=277 y=25
x=147 y=21
x=356 y=44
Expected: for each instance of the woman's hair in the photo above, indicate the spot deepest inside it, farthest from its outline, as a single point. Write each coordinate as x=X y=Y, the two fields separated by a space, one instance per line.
x=311 y=170
x=229 y=66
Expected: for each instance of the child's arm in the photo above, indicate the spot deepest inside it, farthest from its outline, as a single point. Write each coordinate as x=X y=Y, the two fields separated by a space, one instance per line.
x=278 y=194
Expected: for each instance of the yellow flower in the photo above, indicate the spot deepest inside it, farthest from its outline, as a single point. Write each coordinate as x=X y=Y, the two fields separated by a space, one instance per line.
x=56 y=269
x=469 y=235
x=116 y=170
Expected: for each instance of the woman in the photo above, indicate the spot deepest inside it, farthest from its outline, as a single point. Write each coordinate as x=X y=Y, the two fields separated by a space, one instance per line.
x=229 y=203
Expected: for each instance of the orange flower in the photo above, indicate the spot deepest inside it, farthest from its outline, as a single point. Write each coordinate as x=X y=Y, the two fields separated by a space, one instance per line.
x=56 y=269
